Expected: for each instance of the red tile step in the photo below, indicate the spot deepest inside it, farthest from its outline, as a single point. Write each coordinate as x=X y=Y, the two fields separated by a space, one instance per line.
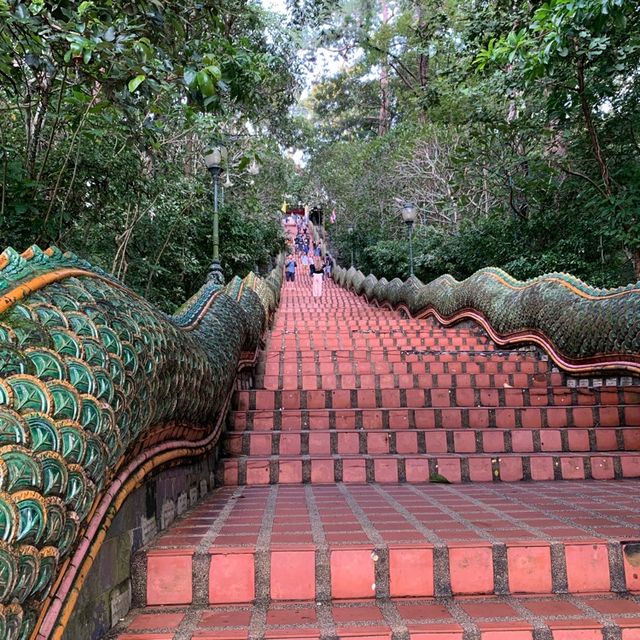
x=312 y=379
x=456 y=468
x=369 y=398
x=566 y=617
x=357 y=541
x=318 y=442
x=555 y=417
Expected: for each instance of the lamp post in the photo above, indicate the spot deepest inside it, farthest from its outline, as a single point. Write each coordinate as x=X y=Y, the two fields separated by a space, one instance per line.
x=214 y=162
x=351 y=243
x=409 y=216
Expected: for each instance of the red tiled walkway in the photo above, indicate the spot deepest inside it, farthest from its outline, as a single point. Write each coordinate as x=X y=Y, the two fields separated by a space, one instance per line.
x=328 y=525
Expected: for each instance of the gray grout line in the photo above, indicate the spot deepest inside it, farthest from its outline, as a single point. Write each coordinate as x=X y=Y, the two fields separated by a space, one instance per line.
x=262 y=560
x=393 y=618
x=550 y=514
x=218 y=523
x=610 y=630
x=486 y=507
x=541 y=630
x=201 y=559
x=372 y=533
x=427 y=497
x=470 y=629
x=189 y=624
x=380 y=553
x=429 y=534
x=326 y=622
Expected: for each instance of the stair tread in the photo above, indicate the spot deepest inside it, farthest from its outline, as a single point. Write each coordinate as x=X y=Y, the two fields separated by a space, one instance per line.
x=373 y=514
x=504 y=617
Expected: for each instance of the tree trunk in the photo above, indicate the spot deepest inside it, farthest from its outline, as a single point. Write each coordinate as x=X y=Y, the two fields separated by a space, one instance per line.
x=383 y=117
x=593 y=134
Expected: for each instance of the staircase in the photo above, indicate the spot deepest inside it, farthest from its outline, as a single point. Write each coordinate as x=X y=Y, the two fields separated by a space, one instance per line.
x=388 y=478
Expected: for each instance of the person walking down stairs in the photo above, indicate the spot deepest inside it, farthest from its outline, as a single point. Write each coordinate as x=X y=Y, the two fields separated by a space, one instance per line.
x=317 y=276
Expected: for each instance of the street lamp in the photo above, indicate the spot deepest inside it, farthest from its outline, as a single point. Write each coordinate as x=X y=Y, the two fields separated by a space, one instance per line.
x=214 y=162
x=409 y=216
x=351 y=243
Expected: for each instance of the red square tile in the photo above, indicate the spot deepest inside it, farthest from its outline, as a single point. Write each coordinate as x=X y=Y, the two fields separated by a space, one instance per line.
x=609 y=416
x=378 y=442
x=522 y=440
x=479 y=418
x=587 y=568
x=289 y=444
x=602 y=468
x=341 y=398
x=415 y=397
x=606 y=439
x=322 y=471
x=319 y=443
x=169 y=577
x=578 y=439
x=505 y=418
x=452 y=418
x=257 y=472
x=290 y=471
x=531 y=418
x=450 y=469
x=150 y=621
x=425 y=418
x=464 y=441
x=572 y=468
x=630 y=466
x=583 y=417
x=390 y=398
x=260 y=444
x=366 y=398
x=353 y=470
x=411 y=571
x=436 y=441
x=398 y=419
x=385 y=470
x=407 y=442
x=510 y=468
x=352 y=573
x=529 y=569
x=471 y=569
x=417 y=469
x=541 y=468
x=465 y=397
x=293 y=575
x=493 y=441
x=480 y=469
x=550 y=440
x=348 y=442
x=231 y=577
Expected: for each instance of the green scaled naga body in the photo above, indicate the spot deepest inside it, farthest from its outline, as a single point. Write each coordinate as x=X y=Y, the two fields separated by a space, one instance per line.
x=94 y=381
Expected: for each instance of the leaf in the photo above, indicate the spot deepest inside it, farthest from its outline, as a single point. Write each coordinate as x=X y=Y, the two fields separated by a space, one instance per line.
x=84 y=7
x=109 y=35
x=189 y=76
x=136 y=82
x=205 y=84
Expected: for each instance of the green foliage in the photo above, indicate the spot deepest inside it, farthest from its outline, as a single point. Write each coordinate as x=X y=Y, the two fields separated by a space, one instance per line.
x=107 y=109
x=513 y=129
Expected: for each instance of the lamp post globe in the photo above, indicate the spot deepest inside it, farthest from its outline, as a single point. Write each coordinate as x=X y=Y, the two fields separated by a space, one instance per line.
x=214 y=162
x=409 y=215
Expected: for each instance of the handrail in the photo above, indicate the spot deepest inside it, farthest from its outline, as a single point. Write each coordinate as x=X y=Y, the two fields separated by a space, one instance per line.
x=583 y=329
x=97 y=389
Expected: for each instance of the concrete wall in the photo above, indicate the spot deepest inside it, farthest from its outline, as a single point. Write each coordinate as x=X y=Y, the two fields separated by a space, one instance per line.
x=107 y=593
